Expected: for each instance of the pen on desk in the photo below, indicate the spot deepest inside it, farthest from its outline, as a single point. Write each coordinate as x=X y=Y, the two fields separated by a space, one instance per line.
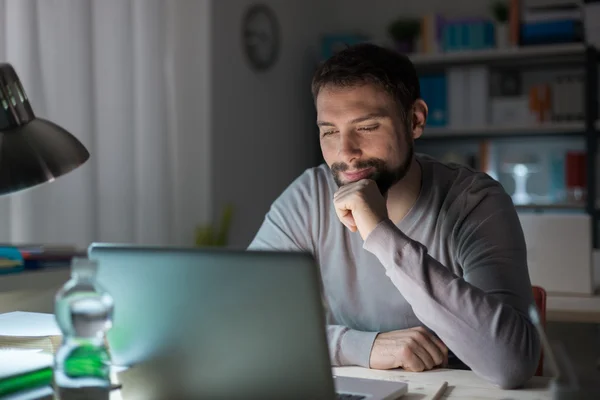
x=438 y=395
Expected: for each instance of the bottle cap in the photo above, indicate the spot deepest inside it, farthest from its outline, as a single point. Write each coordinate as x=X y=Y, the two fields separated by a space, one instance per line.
x=83 y=267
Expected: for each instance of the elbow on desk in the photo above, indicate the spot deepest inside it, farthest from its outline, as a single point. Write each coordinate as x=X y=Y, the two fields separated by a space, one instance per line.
x=516 y=371
x=512 y=378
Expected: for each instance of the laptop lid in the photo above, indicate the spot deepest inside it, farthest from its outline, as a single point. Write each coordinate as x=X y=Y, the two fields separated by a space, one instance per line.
x=220 y=323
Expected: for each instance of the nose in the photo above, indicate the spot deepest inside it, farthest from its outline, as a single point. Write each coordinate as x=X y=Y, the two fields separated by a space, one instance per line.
x=349 y=148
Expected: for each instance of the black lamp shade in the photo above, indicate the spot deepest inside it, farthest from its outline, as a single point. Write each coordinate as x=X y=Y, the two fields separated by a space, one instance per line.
x=32 y=150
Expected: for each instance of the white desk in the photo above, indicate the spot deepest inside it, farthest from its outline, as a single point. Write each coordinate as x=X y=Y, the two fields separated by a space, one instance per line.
x=461 y=384
x=32 y=290
x=423 y=385
x=34 y=280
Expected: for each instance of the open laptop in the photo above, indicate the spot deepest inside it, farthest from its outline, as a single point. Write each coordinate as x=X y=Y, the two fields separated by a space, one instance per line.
x=222 y=324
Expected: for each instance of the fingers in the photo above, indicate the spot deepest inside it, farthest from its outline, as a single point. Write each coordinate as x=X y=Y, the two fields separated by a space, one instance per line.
x=433 y=354
x=441 y=346
x=344 y=211
x=423 y=360
x=351 y=199
x=350 y=187
x=345 y=216
x=410 y=360
x=434 y=346
x=415 y=349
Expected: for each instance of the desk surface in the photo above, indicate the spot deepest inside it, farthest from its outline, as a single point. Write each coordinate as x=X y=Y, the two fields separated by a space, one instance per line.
x=461 y=384
x=424 y=385
x=34 y=280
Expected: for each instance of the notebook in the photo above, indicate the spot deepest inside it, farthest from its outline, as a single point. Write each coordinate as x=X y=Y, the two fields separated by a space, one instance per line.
x=28 y=330
x=23 y=372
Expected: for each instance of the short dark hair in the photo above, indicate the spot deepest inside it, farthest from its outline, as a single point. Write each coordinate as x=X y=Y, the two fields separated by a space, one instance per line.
x=367 y=63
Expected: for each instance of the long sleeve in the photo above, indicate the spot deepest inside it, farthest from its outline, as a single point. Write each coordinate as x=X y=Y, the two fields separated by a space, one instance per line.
x=481 y=316
x=349 y=347
x=291 y=225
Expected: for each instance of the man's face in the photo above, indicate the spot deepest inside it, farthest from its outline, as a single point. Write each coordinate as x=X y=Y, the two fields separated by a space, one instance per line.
x=363 y=135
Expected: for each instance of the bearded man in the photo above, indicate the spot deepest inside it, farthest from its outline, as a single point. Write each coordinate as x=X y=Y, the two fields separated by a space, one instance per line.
x=423 y=263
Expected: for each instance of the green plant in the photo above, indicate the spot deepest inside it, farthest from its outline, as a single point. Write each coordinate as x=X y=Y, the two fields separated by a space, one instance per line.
x=208 y=235
x=500 y=11
x=404 y=29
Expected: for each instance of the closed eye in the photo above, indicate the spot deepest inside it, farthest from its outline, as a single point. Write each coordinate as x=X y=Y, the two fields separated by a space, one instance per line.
x=368 y=128
x=327 y=133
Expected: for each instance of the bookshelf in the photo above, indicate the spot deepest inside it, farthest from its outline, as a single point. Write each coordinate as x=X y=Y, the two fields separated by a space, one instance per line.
x=562 y=53
x=500 y=131
x=551 y=206
x=530 y=58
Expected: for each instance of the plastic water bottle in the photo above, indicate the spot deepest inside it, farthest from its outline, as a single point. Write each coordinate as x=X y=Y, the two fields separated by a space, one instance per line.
x=84 y=312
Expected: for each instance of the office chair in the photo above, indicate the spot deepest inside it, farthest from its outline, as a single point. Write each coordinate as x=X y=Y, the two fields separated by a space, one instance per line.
x=539 y=296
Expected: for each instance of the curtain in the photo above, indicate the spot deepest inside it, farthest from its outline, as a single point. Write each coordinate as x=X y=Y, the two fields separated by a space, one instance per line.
x=130 y=79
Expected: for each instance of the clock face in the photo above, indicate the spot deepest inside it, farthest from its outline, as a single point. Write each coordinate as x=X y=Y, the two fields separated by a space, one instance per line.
x=260 y=36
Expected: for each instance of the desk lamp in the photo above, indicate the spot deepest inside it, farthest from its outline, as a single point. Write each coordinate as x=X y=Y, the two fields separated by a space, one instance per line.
x=32 y=150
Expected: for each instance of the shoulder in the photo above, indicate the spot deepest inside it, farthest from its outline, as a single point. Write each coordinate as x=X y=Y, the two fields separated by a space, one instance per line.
x=293 y=219
x=311 y=187
x=462 y=189
x=477 y=212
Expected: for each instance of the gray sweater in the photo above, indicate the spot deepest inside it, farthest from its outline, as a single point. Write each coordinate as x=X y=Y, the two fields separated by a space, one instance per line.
x=456 y=264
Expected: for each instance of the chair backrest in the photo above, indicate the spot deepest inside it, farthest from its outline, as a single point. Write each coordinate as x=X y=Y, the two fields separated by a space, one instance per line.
x=539 y=296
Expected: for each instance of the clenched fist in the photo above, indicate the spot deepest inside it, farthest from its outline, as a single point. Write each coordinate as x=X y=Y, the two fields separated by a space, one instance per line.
x=360 y=206
x=414 y=349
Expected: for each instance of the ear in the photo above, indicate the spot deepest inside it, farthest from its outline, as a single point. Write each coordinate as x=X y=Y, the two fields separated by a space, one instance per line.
x=418 y=118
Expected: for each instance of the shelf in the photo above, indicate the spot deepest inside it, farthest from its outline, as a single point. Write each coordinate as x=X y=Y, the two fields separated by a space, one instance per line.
x=563 y=53
x=495 y=132
x=549 y=207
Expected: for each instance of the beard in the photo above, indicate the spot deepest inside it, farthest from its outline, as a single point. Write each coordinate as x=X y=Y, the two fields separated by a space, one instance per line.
x=384 y=176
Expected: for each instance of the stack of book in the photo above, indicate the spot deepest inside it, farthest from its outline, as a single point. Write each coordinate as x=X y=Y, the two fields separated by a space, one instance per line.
x=552 y=22
x=25 y=374
x=28 y=342
x=28 y=330
x=16 y=258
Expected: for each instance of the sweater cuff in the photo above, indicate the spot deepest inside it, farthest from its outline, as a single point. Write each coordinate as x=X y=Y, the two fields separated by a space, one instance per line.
x=385 y=237
x=355 y=348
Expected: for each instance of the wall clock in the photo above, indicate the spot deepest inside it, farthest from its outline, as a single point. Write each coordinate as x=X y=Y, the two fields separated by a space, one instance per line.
x=260 y=36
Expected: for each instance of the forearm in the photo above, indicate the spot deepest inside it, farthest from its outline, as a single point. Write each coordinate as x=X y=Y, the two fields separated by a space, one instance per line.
x=490 y=336
x=349 y=347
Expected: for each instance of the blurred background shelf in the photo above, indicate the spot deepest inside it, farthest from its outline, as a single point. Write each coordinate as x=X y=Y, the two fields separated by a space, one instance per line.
x=550 y=207
x=526 y=115
x=562 y=53
x=498 y=132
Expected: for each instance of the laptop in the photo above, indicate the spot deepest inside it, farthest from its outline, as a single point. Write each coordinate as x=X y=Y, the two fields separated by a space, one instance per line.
x=222 y=324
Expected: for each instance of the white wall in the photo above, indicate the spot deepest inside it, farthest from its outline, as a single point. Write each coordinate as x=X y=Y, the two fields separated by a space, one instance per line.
x=189 y=77
x=263 y=124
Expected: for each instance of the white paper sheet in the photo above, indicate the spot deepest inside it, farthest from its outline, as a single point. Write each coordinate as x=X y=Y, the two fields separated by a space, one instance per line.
x=15 y=362
x=28 y=324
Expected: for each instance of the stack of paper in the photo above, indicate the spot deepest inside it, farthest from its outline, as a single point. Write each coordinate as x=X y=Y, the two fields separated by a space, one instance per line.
x=26 y=330
x=25 y=374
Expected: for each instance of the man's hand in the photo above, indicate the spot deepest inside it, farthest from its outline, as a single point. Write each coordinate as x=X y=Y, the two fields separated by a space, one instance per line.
x=360 y=206
x=414 y=349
